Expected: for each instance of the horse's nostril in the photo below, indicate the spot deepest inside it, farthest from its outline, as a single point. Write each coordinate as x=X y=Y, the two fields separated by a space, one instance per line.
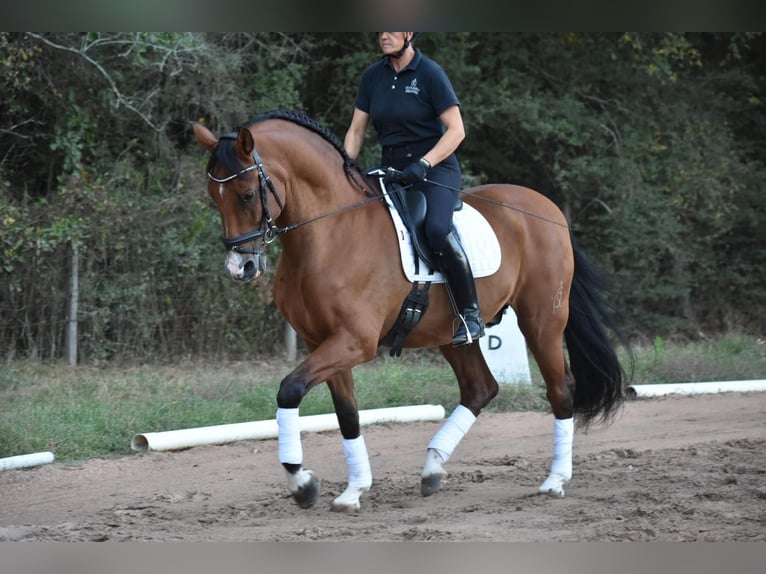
x=249 y=268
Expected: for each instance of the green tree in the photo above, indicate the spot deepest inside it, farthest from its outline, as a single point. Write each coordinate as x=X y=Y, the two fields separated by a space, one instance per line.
x=650 y=142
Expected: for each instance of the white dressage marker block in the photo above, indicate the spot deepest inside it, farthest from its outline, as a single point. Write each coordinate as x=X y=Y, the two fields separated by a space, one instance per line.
x=505 y=351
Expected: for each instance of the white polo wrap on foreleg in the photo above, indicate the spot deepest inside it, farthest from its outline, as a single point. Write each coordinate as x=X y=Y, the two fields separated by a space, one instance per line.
x=358 y=462
x=452 y=432
x=290 y=449
x=563 y=434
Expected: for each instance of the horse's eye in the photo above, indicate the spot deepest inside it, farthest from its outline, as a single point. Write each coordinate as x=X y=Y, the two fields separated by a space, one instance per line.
x=248 y=196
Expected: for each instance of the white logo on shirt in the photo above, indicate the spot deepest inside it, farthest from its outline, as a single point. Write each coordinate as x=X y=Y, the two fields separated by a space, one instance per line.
x=412 y=88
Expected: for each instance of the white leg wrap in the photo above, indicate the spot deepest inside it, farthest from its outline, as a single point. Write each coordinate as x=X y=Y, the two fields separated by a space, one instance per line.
x=452 y=432
x=290 y=449
x=561 y=467
x=358 y=463
x=359 y=475
x=563 y=433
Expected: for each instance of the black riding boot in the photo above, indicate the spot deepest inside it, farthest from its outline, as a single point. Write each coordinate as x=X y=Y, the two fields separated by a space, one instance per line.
x=455 y=267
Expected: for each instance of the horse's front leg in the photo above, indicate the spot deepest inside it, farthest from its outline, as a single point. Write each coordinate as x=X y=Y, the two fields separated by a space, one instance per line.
x=354 y=448
x=301 y=482
x=332 y=357
x=477 y=388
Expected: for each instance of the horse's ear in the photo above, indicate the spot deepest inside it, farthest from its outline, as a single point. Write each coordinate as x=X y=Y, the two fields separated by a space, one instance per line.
x=245 y=141
x=204 y=136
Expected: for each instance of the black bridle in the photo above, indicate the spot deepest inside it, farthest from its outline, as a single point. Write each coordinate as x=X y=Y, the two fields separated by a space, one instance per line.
x=267 y=229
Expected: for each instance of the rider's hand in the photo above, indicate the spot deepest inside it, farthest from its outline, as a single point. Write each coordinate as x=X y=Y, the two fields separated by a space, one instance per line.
x=413 y=173
x=410 y=175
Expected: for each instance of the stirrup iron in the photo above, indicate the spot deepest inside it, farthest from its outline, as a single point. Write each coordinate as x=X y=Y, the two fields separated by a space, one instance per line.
x=468 y=338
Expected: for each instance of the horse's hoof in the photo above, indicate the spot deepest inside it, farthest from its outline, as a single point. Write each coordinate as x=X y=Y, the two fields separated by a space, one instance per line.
x=433 y=472
x=552 y=492
x=430 y=484
x=345 y=508
x=348 y=502
x=308 y=494
x=553 y=486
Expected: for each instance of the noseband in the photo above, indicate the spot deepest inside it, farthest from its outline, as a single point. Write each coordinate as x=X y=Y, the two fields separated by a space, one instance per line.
x=267 y=229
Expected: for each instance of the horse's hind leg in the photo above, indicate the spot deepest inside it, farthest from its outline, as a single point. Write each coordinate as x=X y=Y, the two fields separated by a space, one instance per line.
x=477 y=388
x=354 y=448
x=547 y=347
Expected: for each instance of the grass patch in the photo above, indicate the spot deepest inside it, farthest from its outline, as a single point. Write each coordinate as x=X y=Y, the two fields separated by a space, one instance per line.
x=732 y=357
x=84 y=412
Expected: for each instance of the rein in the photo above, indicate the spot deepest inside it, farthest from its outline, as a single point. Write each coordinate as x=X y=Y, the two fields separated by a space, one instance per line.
x=281 y=230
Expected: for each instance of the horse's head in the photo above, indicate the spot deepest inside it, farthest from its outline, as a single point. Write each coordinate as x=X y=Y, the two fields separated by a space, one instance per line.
x=240 y=189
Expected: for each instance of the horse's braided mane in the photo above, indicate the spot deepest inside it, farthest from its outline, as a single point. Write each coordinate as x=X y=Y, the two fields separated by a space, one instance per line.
x=301 y=119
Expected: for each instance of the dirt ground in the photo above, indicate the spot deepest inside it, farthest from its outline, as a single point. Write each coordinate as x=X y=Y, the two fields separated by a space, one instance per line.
x=668 y=469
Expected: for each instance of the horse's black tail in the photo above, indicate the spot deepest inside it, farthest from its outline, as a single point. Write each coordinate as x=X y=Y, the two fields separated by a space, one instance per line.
x=599 y=377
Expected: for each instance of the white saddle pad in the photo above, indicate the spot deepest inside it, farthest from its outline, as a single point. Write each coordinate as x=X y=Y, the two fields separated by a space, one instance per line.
x=475 y=234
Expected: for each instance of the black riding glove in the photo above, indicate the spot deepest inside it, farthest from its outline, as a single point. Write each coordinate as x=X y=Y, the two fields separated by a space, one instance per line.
x=413 y=173
x=410 y=175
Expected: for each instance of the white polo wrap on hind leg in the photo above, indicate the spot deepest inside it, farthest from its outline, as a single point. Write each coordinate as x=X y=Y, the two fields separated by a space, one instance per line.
x=358 y=463
x=452 y=432
x=563 y=434
x=290 y=449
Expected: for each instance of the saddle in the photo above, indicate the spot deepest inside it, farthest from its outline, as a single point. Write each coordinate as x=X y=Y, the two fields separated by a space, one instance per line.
x=407 y=208
x=411 y=206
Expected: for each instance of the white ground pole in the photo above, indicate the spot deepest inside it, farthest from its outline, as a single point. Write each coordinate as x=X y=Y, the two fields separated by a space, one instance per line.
x=505 y=350
x=696 y=388
x=221 y=434
x=26 y=460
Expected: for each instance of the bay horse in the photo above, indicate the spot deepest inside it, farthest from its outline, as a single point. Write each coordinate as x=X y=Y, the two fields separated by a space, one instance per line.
x=339 y=283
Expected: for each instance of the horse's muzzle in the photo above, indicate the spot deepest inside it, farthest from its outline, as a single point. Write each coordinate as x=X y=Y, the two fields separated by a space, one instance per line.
x=245 y=266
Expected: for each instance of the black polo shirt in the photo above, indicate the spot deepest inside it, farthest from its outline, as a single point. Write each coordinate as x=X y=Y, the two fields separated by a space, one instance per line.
x=404 y=107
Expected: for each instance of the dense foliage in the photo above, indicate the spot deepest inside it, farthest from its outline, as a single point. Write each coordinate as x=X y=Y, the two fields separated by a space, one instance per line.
x=650 y=142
